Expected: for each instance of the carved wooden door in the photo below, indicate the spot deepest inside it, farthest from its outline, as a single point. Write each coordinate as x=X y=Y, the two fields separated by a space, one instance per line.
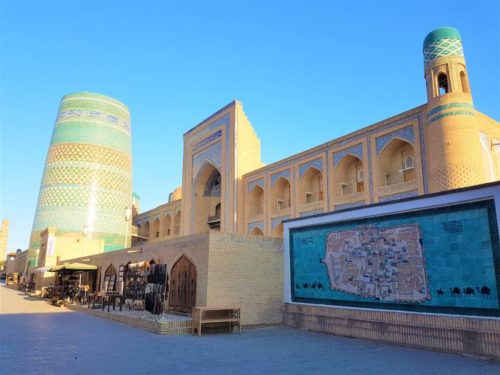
x=182 y=286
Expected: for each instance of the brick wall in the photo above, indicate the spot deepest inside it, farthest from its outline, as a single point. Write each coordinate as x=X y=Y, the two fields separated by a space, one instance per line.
x=232 y=270
x=247 y=271
x=450 y=333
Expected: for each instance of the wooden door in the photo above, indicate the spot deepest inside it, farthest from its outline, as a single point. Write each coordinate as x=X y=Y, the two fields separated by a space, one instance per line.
x=182 y=286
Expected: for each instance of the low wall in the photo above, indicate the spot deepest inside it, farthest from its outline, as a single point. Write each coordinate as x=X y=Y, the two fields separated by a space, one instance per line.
x=232 y=270
x=478 y=336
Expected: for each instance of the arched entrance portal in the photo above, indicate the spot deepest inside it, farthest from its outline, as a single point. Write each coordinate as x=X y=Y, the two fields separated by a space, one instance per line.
x=207 y=199
x=182 y=286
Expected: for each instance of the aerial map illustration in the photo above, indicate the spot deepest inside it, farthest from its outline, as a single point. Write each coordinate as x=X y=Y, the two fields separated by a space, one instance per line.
x=382 y=263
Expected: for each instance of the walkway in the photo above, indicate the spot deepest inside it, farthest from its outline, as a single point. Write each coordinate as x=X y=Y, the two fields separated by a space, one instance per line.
x=39 y=338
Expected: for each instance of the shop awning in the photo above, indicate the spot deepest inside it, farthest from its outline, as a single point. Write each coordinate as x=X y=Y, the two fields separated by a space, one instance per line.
x=73 y=267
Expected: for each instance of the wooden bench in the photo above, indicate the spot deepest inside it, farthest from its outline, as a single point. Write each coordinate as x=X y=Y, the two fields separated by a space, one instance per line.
x=214 y=315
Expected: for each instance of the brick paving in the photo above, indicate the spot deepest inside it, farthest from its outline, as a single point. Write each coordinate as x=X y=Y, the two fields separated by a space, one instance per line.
x=39 y=338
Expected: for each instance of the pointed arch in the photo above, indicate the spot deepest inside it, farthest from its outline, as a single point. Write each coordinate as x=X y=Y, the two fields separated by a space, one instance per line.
x=311 y=186
x=155 y=229
x=396 y=163
x=255 y=201
x=256 y=231
x=167 y=226
x=207 y=190
x=280 y=195
x=183 y=280
x=350 y=175
x=443 y=84
x=177 y=223
x=145 y=229
x=278 y=230
x=110 y=278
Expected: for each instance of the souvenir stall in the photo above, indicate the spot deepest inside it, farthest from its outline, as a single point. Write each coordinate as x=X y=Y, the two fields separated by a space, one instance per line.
x=135 y=280
x=156 y=289
x=73 y=281
x=145 y=286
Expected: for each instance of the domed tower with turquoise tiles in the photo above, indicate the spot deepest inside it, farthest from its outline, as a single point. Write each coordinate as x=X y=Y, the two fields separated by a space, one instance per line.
x=87 y=182
x=452 y=134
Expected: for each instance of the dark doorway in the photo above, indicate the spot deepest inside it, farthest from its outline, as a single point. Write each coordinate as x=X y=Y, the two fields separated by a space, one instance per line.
x=182 y=286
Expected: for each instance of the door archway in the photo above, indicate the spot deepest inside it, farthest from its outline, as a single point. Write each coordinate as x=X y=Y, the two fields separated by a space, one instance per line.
x=182 y=286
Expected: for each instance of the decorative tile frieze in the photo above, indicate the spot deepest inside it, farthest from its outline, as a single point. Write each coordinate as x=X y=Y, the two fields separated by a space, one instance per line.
x=406 y=134
x=356 y=150
x=316 y=163
x=284 y=173
x=256 y=224
x=252 y=184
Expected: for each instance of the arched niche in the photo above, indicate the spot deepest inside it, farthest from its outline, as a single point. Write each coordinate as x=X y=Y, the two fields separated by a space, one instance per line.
x=350 y=175
x=397 y=163
x=311 y=186
x=145 y=229
x=207 y=199
x=255 y=201
x=167 y=226
x=443 y=84
x=280 y=195
x=177 y=223
x=155 y=229
x=463 y=82
x=278 y=230
x=257 y=232
x=110 y=278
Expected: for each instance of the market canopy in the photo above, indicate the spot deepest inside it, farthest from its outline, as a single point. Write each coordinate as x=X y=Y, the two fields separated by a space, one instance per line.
x=73 y=267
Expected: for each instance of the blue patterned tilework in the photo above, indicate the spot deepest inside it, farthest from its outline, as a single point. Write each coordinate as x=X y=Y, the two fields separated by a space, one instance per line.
x=443 y=47
x=256 y=224
x=459 y=251
x=423 y=153
x=94 y=115
x=405 y=194
x=404 y=133
x=208 y=140
x=349 y=205
x=447 y=114
x=285 y=173
x=252 y=184
x=448 y=106
x=275 y=221
x=356 y=150
x=316 y=163
x=87 y=180
x=211 y=155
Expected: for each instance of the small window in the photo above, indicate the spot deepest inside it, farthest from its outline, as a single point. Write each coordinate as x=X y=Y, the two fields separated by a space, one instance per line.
x=360 y=175
x=408 y=164
x=443 y=84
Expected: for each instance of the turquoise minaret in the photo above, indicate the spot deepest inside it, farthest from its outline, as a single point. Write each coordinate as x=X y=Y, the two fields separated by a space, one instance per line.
x=452 y=134
x=87 y=181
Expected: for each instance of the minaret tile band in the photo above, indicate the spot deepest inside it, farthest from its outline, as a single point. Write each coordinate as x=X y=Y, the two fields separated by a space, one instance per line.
x=87 y=181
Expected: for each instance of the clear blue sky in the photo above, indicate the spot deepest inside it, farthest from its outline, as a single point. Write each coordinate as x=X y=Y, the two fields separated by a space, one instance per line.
x=306 y=72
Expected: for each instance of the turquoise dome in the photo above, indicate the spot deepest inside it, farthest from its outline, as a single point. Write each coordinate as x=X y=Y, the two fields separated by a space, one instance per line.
x=446 y=32
x=442 y=42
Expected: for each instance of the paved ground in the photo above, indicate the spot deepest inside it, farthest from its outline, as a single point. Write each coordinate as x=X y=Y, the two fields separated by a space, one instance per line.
x=38 y=338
